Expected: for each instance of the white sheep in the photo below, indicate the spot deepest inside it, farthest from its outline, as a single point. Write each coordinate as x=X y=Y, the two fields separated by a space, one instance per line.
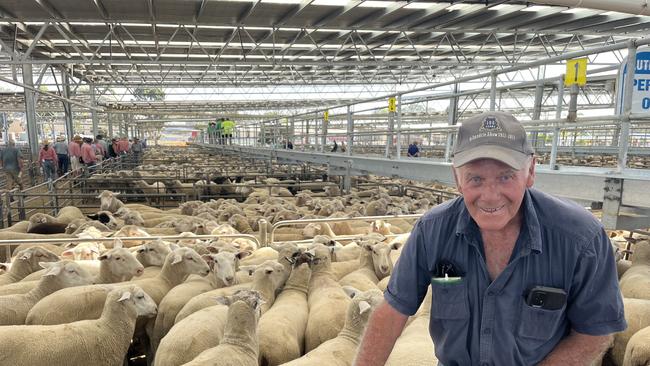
x=374 y=264
x=130 y=217
x=286 y=320
x=61 y=307
x=101 y=342
x=202 y=329
x=239 y=345
x=341 y=349
x=637 y=315
x=327 y=300
x=637 y=352
x=26 y=262
x=59 y=275
x=635 y=283
x=129 y=231
x=109 y=202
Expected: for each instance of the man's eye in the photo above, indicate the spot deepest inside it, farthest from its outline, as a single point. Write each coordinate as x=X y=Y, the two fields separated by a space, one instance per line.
x=505 y=178
x=475 y=180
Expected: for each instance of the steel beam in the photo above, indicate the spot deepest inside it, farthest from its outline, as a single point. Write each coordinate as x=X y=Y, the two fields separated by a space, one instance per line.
x=30 y=110
x=624 y=136
x=67 y=107
x=93 y=114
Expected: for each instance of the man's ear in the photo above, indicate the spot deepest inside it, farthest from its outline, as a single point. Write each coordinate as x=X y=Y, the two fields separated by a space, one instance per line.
x=531 y=173
x=458 y=186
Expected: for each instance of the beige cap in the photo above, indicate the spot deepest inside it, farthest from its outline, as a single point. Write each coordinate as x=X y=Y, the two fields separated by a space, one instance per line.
x=492 y=135
x=46 y=142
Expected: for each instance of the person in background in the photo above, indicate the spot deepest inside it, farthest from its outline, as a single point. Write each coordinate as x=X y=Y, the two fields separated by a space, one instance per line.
x=335 y=148
x=12 y=164
x=61 y=150
x=212 y=132
x=413 y=151
x=88 y=154
x=218 y=131
x=48 y=161
x=227 y=130
x=112 y=148
x=342 y=146
x=100 y=140
x=137 y=150
x=74 y=152
x=123 y=145
x=99 y=150
x=289 y=145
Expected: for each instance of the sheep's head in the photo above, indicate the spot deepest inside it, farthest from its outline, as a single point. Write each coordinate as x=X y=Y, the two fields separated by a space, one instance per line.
x=380 y=226
x=326 y=240
x=32 y=256
x=121 y=263
x=66 y=273
x=322 y=257
x=153 y=253
x=225 y=264
x=286 y=215
x=134 y=296
x=362 y=305
x=190 y=260
x=244 y=300
x=40 y=218
x=83 y=251
x=312 y=229
x=381 y=259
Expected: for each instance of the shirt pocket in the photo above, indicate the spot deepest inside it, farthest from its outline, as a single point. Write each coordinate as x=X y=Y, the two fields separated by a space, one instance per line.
x=449 y=301
x=539 y=324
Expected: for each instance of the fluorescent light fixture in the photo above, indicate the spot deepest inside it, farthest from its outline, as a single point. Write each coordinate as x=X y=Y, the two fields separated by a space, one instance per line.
x=331 y=2
x=419 y=5
x=458 y=7
x=377 y=4
x=536 y=8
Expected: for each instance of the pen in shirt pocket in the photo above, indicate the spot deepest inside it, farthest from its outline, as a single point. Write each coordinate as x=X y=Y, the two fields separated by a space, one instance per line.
x=446 y=273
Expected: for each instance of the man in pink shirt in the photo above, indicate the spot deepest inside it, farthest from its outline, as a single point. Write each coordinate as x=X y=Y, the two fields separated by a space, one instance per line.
x=48 y=160
x=74 y=151
x=88 y=153
x=123 y=145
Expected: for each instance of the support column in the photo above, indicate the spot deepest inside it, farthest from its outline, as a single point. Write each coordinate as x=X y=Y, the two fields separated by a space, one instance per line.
x=324 y=134
x=30 y=109
x=452 y=115
x=306 y=124
x=389 y=134
x=398 y=144
x=624 y=142
x=67 y=107
x=292 y=130
x=109 y=118
x=493 y=90
x=93 y=113
x=537 y=110
x=5 y=128
x=558 y=115
x=350 y=131
x=316 y=134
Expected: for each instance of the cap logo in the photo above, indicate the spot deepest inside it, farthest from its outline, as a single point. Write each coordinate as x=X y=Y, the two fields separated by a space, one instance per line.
x=490 y=123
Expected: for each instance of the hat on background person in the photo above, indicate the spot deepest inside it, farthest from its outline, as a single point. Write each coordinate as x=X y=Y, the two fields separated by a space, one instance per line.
x=60 y=138
x=492 y=135
x=76 y=138
x=46 y=142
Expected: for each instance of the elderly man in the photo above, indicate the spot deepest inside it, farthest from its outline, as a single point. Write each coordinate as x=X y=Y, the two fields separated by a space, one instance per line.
x=517 y=277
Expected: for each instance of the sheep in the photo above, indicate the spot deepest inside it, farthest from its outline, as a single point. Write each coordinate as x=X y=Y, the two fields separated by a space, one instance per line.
x=117 y=265
x=240 y=223
x=635 y=283
x=286 y=320
x=327 y=300
x=59 y=275
x=57 y=309
x=107 y=218
x=239 y=345
x=108 y=201
x=202 y=329
x=414 y=346
x=384 y=228
x=374 y=262
x=83 y=251
x=41 y=223
x=26 y=262
x=342 y=349
x=332 y=191
x=637 y=315
x=637 y=352
x=224 y=266
x=260 y=255
x=128 y=231
x=341 y=269
x=130 y=217
x=79 y=225
x=104 y=341
x=4 y=268
x=377 y=208
x=187 y=208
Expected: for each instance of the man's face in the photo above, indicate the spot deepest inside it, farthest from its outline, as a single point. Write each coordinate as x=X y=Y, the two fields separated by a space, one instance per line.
x=493 y=191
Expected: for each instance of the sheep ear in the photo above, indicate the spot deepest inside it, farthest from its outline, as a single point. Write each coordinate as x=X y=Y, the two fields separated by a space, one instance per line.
x=222 y=300
x=212 y=249
x=177 y=258
x=51 y=268
x=26 y=256
x=104 y=257
x=363 y=307
x=3 y=266
x=250 y=269
x=351 y=291
x=118 y=243
x=70 y=245
x=311 y=252
x=68 y=253
x=396 y=245
x=99 y=196
x=243 y=254
x=125 y=296
x=174 y=246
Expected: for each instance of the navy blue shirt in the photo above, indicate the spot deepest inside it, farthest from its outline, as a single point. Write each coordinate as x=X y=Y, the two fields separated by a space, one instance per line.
x=413 y=149
x=477 y=321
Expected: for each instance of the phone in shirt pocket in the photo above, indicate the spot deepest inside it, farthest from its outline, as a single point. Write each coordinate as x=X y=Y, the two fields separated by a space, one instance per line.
x=542 y=312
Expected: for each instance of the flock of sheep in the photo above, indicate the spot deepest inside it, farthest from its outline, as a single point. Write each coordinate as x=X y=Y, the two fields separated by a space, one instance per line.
x=217 y=297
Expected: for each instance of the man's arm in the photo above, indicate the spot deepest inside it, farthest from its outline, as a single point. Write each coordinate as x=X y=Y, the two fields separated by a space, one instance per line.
x=578 y=349
x=383 y=329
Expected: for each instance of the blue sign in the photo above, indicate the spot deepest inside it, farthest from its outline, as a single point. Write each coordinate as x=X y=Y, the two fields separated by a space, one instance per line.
x=641 y=86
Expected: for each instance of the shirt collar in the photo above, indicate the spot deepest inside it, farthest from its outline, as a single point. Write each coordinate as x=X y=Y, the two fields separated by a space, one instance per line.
x=465 y=225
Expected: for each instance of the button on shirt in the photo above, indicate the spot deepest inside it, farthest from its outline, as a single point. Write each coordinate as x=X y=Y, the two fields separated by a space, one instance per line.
x=477 y=321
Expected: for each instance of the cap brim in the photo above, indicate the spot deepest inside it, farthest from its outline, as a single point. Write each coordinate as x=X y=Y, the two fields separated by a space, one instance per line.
x=515 y=159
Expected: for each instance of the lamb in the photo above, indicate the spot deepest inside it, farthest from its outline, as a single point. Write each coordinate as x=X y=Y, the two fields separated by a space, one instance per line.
x=374 y=264
x=635 y=283
x=109 y=202
x=414 y=346
x=26 y=262
x=100 y=342
x=57 y=309
x=637 y=352
x=280 y=192
x=384 y=228
x=83 y=251
x=59 y=275
x=224 y=266
x=637 y=315
x=41 y=223
x=107 y=218
x=144 y=187
x=239 y=345
x=327 y=300
x=79 y=225
x=342 y=349
x=129 y=231
x=197 y=331
x=188 y=207
x=152 y=253
x=286 y=320
x=130 y=217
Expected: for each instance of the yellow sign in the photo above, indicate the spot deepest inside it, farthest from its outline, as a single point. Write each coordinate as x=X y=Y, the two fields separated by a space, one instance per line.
x=326 y=115
x=392 y=104
x=576 y=72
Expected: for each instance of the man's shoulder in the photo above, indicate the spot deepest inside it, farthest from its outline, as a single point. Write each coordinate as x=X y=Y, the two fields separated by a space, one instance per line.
x=559 y=214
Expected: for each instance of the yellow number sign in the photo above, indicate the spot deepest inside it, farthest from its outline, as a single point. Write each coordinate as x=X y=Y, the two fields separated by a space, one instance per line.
x=326 y=115
x=392 y=104
x=576 y=72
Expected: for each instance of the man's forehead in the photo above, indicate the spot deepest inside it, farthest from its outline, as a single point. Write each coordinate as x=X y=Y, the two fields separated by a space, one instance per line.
x=480 y=164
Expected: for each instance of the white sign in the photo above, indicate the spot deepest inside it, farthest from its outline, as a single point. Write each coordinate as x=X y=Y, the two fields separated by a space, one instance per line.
x=641 y=86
